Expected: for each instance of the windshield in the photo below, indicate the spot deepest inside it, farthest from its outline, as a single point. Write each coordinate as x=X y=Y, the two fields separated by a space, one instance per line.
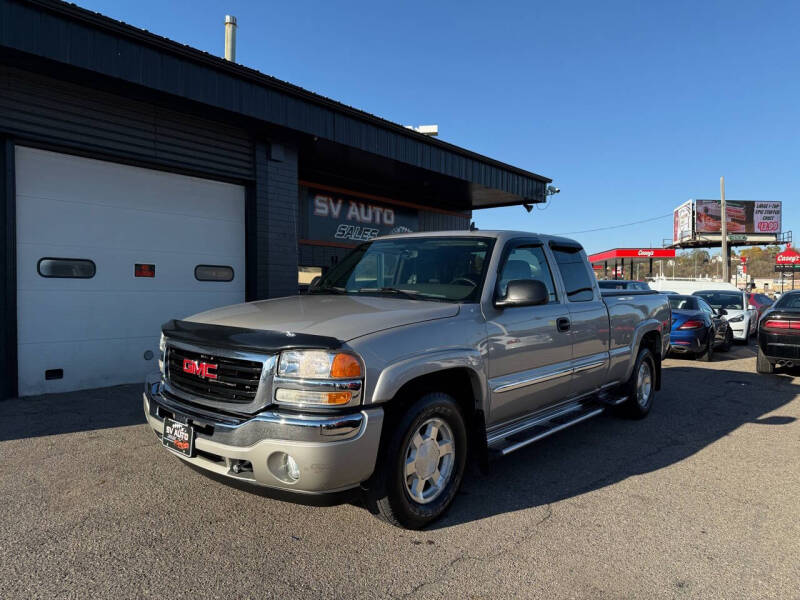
x=683 y=303
x=423 y=268
x=788 y=301
x=726 y=300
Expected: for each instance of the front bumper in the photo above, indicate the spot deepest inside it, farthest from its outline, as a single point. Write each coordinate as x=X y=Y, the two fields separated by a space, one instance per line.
x=334 y=453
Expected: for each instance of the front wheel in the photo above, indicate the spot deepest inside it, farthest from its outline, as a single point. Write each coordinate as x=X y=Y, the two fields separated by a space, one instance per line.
x=641 y=387
x=726 y=345
x=423 y=465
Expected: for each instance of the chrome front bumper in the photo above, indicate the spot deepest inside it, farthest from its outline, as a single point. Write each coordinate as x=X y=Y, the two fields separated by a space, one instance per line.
x=333 y=452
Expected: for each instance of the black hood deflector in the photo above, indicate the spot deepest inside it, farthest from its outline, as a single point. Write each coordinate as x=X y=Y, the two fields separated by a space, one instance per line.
x=239 y=338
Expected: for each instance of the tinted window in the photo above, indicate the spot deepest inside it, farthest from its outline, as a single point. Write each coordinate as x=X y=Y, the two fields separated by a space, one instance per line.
x=790 y=301
x=683 y=303
x=526 y=262
x=576 y=276
x=704 y=306
x=428 y=268
x=727 y=300
x=610 y=284
x=72 y=268
x=763 y=299
x=213 y=273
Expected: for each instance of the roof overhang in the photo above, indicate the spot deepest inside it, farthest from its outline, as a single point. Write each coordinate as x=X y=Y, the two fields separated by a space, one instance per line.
x=65 y=34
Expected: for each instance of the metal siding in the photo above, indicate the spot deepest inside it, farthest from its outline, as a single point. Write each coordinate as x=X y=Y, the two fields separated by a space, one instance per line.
x=8 y=273
x=431 y=221
x=44 y=109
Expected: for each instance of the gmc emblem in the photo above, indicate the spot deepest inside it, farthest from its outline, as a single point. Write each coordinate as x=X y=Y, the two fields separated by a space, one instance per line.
x=201 y=369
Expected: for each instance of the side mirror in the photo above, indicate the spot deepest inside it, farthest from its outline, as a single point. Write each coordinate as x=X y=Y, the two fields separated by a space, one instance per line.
x=721 y=312
x=524 y=292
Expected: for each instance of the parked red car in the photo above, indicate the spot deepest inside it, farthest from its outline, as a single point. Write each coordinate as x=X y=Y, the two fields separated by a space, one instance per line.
x=761 y=301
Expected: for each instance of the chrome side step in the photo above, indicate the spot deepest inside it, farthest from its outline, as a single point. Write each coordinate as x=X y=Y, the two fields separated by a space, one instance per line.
x=531 y=430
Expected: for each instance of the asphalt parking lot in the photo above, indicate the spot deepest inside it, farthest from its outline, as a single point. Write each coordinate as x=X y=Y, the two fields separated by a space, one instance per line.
x=701 y=499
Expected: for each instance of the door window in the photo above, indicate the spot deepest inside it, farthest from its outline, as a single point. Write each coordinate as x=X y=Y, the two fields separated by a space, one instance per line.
x=526 y=262
x=573 y=269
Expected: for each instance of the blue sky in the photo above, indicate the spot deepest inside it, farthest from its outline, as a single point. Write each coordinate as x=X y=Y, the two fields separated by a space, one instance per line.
x=630 y=107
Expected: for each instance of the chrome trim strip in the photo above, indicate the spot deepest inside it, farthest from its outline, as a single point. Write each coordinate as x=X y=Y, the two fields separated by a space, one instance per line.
x=318 y=385
x=619 y=351
x=588 y=366
x=531 y=381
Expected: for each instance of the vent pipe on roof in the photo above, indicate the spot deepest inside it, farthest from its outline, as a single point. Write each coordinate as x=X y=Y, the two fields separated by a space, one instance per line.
x=230 y=38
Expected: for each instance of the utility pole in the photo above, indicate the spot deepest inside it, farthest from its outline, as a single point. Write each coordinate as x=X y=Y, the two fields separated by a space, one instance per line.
x=726 y=273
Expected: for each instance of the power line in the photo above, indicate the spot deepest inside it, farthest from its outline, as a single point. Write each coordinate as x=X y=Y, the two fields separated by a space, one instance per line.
x=616 y=226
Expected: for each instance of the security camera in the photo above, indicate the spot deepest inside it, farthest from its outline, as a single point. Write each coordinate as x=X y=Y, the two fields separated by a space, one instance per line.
x=528 y=207
x=552 y=190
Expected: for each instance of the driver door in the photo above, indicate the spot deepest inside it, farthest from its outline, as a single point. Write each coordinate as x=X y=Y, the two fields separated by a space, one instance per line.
x=529 y=347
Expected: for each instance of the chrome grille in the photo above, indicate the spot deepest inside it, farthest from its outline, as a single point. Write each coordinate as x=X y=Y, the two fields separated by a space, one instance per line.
x=236 y=382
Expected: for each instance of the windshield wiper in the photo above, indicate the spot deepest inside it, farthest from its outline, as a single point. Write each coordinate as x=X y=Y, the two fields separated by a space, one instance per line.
x=411 y=295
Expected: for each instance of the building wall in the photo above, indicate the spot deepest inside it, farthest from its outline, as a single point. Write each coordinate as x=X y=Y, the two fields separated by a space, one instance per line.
x=50 y=112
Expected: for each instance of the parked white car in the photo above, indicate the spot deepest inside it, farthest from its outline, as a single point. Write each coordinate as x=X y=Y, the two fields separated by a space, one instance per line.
x=741 y=315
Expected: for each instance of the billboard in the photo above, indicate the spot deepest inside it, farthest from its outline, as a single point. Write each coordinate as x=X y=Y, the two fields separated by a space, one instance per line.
x=743 y=216
x=344 y=218
x=682 y=222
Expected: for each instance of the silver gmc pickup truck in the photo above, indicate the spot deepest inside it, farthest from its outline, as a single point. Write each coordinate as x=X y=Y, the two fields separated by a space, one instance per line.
x=413 y=353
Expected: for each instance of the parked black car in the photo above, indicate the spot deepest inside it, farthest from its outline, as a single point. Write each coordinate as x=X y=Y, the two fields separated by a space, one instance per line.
x=698 y=329
x=779 y=334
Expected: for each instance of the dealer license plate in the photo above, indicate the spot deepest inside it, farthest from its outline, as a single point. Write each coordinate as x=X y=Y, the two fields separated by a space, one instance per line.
x=178 y=437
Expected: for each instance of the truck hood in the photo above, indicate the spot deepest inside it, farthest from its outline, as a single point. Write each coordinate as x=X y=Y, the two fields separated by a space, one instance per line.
x=343 y=317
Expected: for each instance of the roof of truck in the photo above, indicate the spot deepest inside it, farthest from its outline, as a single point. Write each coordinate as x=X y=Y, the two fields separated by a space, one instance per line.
x=484 y=233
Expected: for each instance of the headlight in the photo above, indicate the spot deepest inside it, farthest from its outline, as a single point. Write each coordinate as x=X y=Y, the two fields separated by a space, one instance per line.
x=319 y=364
x=736 y=319
x=318 y=378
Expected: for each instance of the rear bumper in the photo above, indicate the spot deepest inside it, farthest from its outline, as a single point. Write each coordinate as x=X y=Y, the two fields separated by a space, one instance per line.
x=333 y=453
x=779 y=348
x=684 y=342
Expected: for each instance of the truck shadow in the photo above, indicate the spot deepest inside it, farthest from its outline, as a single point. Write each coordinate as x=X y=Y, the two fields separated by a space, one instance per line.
x=696 y=407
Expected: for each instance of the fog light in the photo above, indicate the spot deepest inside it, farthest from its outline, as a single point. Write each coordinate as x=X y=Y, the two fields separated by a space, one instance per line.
x=292 y=470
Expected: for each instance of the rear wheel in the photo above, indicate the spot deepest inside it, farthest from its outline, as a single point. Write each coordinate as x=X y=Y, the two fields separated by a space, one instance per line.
x=641 y=387
x=708 y=354
x=423 y=465
x=763 y=364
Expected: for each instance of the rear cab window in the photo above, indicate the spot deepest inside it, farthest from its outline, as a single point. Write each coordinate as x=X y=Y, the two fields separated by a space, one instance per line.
x=578 y=282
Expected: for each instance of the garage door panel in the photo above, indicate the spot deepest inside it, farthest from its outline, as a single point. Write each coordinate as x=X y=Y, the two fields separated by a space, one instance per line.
x=43 y=174
x=98 y=330
x=113 y=362
x=84 y=224
x=115 y=269
x=86 y=316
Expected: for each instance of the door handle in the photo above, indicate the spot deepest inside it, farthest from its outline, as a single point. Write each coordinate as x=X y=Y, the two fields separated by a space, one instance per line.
x=562 y=324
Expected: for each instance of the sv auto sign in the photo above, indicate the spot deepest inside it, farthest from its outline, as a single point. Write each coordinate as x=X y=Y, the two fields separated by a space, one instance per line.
x=337 y=217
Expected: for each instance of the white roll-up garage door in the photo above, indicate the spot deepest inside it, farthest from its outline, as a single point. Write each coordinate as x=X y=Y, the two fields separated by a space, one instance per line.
x=106 y=253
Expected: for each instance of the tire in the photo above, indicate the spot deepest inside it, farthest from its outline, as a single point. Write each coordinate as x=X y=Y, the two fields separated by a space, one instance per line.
x=391 y=493
x=708 y=354
x=636 y=407
x=726 y=345
x=763 y=364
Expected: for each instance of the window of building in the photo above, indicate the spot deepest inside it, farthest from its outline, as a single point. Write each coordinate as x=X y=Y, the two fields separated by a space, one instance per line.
x=213 y=273
x=572 y=266
x=66 y=268
x=305 y=275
